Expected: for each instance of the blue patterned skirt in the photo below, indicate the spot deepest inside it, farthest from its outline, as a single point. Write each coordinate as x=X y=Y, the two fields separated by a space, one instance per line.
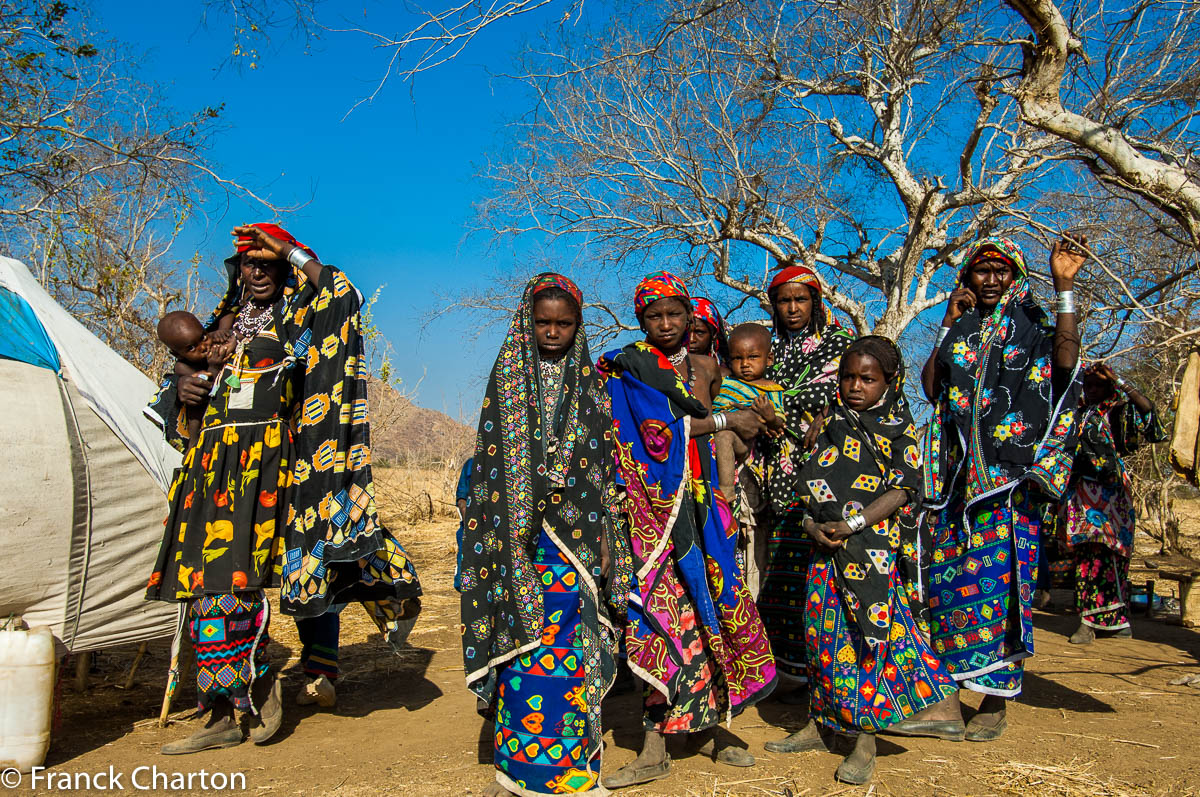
x=855 y=688
x=981 y=588
x=542 y=744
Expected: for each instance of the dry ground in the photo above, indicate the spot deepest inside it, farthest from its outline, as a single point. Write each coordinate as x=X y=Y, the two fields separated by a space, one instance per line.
x=1101 y=720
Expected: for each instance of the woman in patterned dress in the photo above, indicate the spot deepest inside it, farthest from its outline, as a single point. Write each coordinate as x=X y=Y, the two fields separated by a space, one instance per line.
x=871 y=666
x=998 y=452
x=808 y=345
x=694 y=636
x=542 y=532
x=277 y=490
x=1099 y=511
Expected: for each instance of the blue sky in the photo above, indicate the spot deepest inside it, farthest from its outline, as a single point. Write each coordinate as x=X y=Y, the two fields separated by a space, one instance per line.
x=389 y=189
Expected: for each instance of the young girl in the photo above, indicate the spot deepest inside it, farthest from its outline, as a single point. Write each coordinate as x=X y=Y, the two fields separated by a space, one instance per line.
x=869 y=667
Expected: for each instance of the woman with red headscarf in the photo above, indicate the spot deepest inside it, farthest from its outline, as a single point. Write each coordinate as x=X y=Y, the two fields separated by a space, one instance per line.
x=277 y=488
x=808 y=346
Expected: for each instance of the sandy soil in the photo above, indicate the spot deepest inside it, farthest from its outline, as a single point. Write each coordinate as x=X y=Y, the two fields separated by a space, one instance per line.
x=1098 y=720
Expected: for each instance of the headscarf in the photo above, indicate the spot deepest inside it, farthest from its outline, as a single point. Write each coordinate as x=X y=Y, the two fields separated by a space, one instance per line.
x=704 y=310
x=655 y=286
x=551 y=280
x=231 y=302
x=802 y=275
x=520 y=487
x=997 y=411
x=275 y=231
x=858 y=457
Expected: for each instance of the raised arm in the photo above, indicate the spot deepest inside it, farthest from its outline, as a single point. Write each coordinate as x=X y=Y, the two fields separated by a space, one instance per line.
x=1143 y=404
x=1066 y=258
x=268 y=247
x=961 y=300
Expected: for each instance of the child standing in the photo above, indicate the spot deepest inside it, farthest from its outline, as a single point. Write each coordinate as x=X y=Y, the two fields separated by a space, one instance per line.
x=869 y=667
x=744 y=470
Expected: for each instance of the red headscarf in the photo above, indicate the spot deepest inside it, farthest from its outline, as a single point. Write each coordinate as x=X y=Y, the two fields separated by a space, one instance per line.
x=275 y=231
x=801 y=274
x=551 y=280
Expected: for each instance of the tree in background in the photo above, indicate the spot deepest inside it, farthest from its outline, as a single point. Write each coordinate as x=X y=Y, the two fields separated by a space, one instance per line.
x=98 y=176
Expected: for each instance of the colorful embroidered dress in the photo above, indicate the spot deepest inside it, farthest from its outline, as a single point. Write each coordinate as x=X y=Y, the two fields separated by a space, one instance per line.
x=999 y=447
x=1099 y=510
x=806 y=365
x=870 y=665
x=539 y=636
x=277 y=489
x=694 y=635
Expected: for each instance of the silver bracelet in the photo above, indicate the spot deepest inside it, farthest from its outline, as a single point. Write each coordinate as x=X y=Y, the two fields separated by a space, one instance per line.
x=1066 y=303
x=1124 y=384
x=298 y=257
x=941 y=336
x=856 y=523
x=720 y=422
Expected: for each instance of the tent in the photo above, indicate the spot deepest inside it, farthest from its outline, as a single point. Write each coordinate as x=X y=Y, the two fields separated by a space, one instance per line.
x=82 y=488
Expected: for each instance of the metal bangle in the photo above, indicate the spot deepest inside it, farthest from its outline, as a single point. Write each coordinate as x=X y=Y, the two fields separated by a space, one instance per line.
x=1124 y=384
x=1066 y=303
x=941 y=336
x=720 y=422
x=298 y=257
x=856 y=523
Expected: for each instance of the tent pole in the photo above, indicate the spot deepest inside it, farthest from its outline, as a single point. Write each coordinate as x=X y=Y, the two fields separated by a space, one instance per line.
x=178 y=666
x=83 y=663
x=141 y=654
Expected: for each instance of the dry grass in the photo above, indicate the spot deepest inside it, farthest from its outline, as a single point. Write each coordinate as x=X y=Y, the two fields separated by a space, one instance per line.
x=1074 y=778
x=410 y=495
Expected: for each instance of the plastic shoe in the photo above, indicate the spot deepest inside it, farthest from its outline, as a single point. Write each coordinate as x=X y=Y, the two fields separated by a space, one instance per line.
x=859 y=766
x=803 y=740
x=270 y=715
x=990 y=732
x=1084 y=635
x=319 y=691
x=948 y=730
x=223 y=733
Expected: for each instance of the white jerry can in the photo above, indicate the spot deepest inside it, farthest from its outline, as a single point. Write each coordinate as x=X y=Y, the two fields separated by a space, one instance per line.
x=26 y=697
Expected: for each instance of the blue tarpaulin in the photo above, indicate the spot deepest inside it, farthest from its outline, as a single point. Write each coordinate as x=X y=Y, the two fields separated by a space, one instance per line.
x=22 y=336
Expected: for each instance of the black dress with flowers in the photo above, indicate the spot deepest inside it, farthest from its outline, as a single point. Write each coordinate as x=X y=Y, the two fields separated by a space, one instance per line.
x=229 y=500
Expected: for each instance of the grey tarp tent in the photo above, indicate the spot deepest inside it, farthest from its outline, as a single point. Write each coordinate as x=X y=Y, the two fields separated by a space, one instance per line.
x=82 y=487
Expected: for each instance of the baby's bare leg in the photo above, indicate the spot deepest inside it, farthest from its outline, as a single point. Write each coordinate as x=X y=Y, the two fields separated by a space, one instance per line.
x=730 y=450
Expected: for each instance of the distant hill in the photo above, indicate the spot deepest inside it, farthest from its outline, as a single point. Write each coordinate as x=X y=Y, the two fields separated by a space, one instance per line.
x=403 y=433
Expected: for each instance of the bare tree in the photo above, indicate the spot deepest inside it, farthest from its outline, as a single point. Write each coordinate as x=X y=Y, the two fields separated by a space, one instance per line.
x=98 y=176
x=1121 y=89
x=811 y=132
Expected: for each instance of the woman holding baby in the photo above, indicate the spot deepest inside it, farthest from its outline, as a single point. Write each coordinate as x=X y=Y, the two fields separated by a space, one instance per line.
x=275 y=488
